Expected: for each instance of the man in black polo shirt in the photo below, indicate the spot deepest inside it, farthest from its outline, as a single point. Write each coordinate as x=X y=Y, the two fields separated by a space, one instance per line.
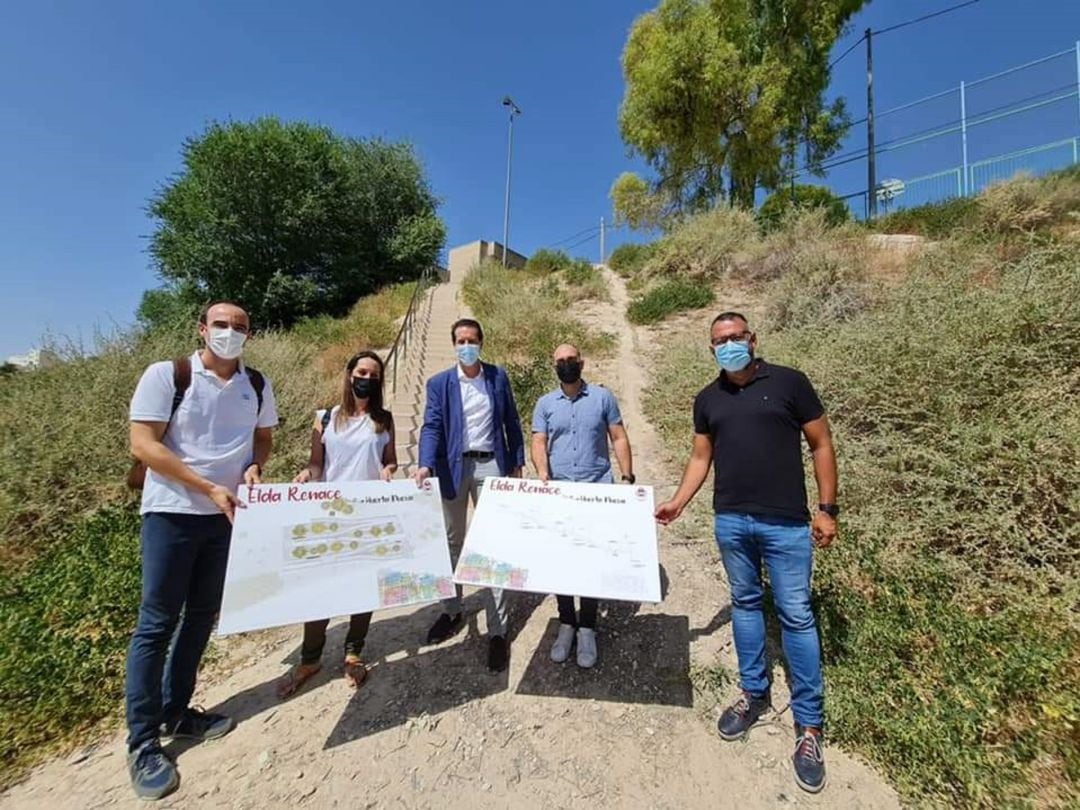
x=749 y=423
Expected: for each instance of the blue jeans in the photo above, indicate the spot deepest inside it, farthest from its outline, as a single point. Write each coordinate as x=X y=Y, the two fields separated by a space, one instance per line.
x=784 y=546
x=183 y=575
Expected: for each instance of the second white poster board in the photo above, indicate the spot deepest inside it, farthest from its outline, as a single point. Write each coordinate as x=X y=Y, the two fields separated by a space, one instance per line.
x=578 y=539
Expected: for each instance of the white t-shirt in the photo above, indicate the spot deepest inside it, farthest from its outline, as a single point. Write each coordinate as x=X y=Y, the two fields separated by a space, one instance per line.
x=212 y=432
x=356 y=452
x=479 y=414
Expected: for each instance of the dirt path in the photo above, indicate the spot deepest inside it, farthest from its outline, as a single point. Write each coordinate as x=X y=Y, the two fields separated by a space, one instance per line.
x=432 y=728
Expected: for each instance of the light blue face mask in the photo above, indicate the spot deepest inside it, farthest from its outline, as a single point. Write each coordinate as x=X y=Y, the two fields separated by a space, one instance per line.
x=734 y=355
x=468 y=353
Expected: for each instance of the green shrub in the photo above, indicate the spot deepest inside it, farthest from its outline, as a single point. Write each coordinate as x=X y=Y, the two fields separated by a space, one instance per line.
x=819 y=273
x=1021 y=205
x=934 y=220
x=630 y=259
x=668 y=297
x=779 y=205
x=69 y=562
x=66 y=622
x=1026 y=204
x=546 y=261
x=706 y=246
x=948 y=608
x=582 y=281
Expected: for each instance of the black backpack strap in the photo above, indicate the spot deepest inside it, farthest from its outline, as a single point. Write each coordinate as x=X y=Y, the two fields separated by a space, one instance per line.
x=326 y=419
x=258 y=382
x=181 y=373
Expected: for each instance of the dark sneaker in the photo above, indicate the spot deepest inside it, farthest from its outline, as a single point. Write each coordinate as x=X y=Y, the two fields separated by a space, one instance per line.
x=809 y=760
x=444 y=627
x=153 y=775
x=740 y=716
x=195 y=724
x=497 y=653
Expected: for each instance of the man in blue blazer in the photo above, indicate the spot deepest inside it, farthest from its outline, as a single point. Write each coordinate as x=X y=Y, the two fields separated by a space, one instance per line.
x=471 y=431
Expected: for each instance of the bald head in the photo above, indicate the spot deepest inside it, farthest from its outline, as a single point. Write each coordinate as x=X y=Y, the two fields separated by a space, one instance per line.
x=568 y=364
x=567 y=351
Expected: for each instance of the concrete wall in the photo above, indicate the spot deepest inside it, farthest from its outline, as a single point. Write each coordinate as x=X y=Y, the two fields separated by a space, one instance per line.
x=464 y=258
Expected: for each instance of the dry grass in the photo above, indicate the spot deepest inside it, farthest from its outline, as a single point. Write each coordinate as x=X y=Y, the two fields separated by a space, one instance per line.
x=69 y=559
x=952 y=601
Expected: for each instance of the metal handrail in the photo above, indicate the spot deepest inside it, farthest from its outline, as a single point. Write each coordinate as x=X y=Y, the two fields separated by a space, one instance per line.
x=401 y=342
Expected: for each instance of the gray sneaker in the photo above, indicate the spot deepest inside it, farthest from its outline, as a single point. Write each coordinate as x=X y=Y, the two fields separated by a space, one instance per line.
x=153 y=775
x=560 y=650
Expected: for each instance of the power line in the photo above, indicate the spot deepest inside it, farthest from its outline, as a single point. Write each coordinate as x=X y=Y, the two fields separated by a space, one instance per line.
x=583 y=241
x=849 y=50
x=575 y=235
x=859 y=41
x=926 y=17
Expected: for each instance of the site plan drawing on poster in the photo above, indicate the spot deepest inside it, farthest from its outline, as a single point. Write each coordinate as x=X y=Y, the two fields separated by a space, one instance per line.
x=315 y=551
x=582 y=539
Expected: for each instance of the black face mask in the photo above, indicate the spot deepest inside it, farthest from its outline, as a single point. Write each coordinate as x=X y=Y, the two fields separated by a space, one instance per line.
x=568 y=371
x=364 y=387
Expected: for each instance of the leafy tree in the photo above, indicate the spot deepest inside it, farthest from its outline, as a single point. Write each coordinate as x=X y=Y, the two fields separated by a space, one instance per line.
x=784 y=200
x=721 y=94
x=290 y=220
x=636 y=204
x=173 y=304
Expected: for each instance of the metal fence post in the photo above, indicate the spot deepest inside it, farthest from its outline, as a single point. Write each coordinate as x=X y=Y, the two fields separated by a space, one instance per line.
x=965 y=186
x=871 y=168
x=1078 y=76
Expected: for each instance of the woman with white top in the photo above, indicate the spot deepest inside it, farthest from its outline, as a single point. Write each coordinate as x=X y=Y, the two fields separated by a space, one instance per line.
x=353 y=441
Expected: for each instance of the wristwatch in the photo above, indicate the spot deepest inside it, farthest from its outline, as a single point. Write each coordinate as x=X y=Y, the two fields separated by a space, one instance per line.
x=630 y=479
x=830 y=509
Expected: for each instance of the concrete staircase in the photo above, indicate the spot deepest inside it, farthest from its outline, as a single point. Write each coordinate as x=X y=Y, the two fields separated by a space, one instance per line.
x=429 y=352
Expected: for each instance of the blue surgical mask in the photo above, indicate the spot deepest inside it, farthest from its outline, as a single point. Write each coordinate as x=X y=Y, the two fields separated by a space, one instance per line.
x=734 y=355
x=468 y=353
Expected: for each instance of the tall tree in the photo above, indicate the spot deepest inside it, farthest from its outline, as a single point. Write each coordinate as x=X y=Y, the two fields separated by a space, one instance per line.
x=290 y=220
x=721 y=94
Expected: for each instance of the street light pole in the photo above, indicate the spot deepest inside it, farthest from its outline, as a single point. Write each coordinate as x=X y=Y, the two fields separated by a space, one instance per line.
x=514 y=110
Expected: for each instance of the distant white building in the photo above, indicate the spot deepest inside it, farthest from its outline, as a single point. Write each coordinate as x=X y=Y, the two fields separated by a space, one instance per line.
x=35 y=358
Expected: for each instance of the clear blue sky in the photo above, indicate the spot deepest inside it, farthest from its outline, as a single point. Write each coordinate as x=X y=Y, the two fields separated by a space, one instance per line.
x=97 y=98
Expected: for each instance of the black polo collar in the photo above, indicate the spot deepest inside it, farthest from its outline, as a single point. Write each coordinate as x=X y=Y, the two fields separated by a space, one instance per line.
x=761 y=370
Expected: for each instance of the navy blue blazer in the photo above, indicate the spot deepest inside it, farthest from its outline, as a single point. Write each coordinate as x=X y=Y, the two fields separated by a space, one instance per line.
x=443 y=434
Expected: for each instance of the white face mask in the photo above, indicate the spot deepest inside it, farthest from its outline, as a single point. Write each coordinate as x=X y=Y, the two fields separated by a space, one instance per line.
x=228 y=344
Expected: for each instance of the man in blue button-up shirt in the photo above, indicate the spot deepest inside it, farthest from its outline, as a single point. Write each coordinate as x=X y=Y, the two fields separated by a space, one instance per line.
x=570 y=432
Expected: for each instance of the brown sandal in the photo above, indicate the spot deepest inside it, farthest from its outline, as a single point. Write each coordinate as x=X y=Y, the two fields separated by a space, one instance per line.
x=293 y=680
x=356 y=671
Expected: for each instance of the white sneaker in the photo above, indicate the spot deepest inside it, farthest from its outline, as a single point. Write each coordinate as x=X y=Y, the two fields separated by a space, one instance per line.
x=560 y=650
x=586 y=647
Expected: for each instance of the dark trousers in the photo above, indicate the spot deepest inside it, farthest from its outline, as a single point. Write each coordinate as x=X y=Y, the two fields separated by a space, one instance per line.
x=183 y=575
x=586 y=618
x=315 y=637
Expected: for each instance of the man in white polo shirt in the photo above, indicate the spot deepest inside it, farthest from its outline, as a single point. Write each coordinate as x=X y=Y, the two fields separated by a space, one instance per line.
x=201 y=425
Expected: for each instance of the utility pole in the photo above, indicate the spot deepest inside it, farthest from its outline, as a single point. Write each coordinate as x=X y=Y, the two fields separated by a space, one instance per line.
x=508 y=102
x=871 y=168
x=601 y=240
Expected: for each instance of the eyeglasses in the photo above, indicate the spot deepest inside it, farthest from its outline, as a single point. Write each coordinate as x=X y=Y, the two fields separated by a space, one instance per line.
x=720 y=341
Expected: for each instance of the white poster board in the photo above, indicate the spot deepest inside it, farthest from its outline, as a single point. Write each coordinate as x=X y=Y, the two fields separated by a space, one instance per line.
x=315 y=551
x=594 y=540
